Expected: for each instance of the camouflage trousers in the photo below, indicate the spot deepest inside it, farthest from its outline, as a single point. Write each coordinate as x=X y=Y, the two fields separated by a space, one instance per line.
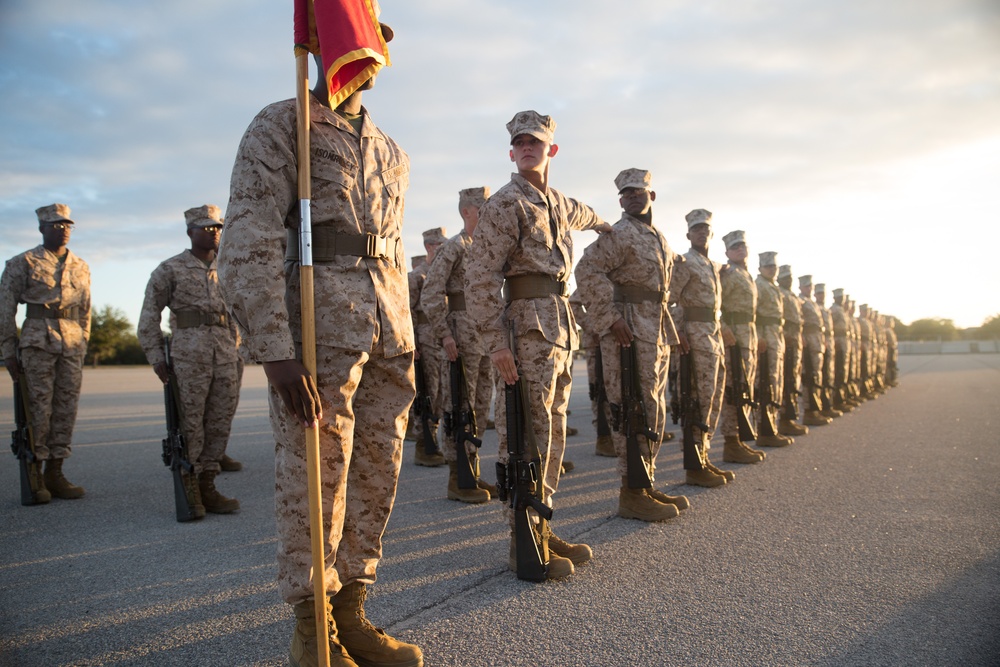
x=546 y=370
x=654 y=364
x=772 y=378
x=435 y=367
x=709 y=385
x=729 y=422
x=208 y=399
x=792 y=380
x=54 y=382
x=812 y=372
x=479 y=383
x=365 y=398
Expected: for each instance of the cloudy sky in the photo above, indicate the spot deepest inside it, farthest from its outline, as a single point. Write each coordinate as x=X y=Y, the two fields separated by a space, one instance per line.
x=860 y=140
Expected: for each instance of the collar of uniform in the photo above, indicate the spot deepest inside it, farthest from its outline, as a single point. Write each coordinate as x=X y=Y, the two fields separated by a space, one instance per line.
x=533 y=194
x=324 y=114
x=194 y=262
x=637 y=221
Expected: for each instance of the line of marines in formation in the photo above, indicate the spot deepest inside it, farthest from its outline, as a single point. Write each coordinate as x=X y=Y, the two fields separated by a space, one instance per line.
x=494 y=319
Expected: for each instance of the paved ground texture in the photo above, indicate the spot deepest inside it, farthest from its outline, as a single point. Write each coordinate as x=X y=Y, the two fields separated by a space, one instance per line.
x=874 y=540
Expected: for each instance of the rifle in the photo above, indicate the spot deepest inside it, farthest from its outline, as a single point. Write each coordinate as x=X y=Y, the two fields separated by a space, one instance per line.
x=460 y=424
x=519 y=484
x=22 y=443
x=767 y=425
x=633 y=422
x=187 y=496
x=423 y=409
x=599 y=394
x=740 y=395
x=689 y=411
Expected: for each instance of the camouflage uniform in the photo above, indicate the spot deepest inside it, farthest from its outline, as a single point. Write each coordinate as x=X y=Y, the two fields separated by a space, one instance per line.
x=828 y=394
x=431 y=353
x=791 y=308
x=842 y=333
x=696 y=286
x=443 y=301
x=739 y=308
x=203 y=354
x=770 y=321
x=524 y=232
x=626 y=274
x=363 y=329
x=813 y=347
x=53 y=344
x=590 y=344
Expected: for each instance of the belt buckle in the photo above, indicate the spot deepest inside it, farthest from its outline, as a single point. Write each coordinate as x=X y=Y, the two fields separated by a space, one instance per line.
x=376 y=246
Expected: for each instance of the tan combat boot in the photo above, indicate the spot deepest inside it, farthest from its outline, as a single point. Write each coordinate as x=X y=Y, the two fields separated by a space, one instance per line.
x=487 y=487
x=815 y=418
x=578 y=553
x=57 y=485
x=422 y=458
x=474 y=496
x=728 y=474
x=303 y=652
x=774 y=441
x=214 y=502
x=637 y=504
x=193 y=494
x=558 y=567
x=832 y=413
x=732 y=452
x=605 y=446
x=680 y=502
x=788 y=427
x=704 y=477
x=40 y=495
x=367 y=645
x=229 y=464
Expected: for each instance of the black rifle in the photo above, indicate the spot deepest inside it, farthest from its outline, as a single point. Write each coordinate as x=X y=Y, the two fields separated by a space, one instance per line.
x=740 y=395
x=187 y=498
x=689 y=412
x=767 y=425
x=633 y=421
x=22 y=441
x=599 y=394
x=460 y=424
x=423 y=409
x=519 y=484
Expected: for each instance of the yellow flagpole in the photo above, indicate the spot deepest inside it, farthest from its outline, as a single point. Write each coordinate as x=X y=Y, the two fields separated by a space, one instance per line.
x=309 y=359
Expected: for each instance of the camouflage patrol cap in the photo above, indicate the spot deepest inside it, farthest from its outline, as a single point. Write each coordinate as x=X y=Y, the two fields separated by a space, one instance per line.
x=473 y=196
x=418 y=260
x=769 y=258
x=532 y=123
x=435 y=236
x=785 y=271
x=820 y=288
x=806 y=281
x=208 y=215
x=863 y=308
x=633 y=178
x=698 y=216
x=838 y=292
x=734 y=238
x=53 y=213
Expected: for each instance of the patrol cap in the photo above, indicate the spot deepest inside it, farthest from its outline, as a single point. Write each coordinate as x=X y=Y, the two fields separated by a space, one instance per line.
x=768 y=258
x=434 y=236
x=53 y=213
x=633 y=178
x=533 y=123
x=806 y=281
x=387 y=33
x=820 y=288
x=473 y=196
x=785 y=271
x=734 y=238
x=838 y=292
x=697 y=217
x=208 y=215
x=863 y=307
x=418 y=260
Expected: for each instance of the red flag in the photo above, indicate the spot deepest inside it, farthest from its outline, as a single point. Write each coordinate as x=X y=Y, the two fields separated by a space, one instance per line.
x=347 y=35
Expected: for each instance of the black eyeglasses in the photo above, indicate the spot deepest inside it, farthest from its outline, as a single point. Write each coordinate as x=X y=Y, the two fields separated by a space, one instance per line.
x=212 y=229
x=59 y=225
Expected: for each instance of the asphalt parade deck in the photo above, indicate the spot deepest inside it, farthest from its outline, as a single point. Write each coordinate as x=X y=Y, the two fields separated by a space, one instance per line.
x=874 y=540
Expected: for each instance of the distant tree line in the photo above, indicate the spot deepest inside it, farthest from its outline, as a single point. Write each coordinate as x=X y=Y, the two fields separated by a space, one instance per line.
x=941 y=329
